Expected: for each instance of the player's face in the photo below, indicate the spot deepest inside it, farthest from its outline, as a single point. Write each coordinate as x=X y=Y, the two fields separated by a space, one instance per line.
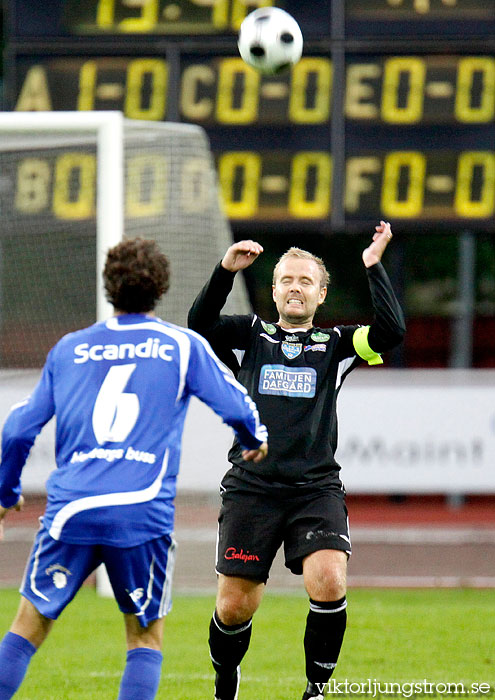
x=297 y=292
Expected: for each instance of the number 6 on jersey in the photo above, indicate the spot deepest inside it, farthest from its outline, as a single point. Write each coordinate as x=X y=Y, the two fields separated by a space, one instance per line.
x=115 y=413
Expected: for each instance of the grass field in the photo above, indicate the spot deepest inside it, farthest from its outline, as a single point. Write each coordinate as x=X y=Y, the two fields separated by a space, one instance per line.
x=443 y=636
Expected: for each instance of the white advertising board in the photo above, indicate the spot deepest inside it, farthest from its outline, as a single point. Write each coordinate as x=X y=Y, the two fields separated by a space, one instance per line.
x=400 y=431
x=418 y=432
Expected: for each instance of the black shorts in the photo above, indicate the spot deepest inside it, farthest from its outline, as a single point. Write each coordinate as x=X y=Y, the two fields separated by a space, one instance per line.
x=257 y=516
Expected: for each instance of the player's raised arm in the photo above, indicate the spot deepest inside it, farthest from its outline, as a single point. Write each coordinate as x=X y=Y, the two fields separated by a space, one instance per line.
x=224 y=332
x=241 y=255
x=207 y=306
x=388 y=327
x=382 y=237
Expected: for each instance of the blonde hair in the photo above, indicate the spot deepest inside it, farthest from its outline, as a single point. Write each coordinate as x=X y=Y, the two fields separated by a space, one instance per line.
x=305 y=255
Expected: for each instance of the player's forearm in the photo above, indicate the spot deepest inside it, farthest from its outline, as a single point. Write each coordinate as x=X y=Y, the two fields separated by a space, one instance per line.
x=388 y=327
x=207 y=306
x=250 y=433
x=18 y=435
x=10 y=480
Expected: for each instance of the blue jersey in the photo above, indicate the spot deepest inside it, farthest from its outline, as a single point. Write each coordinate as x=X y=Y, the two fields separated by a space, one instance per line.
x=120 y=390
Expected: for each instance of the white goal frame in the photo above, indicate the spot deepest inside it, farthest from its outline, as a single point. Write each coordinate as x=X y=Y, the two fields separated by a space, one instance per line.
x=108 y=128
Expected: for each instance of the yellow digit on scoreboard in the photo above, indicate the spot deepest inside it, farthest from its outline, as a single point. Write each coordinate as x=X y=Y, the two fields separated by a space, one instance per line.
x=137 y=72
x=87 y=86
x=244 y=166
x=147 y=20
x=465 y=204
x=319 y=111
x=412 y=110
x=410 y=165
x=300 y=204
x=74 y=186
x=227 y=112
x=465 y=111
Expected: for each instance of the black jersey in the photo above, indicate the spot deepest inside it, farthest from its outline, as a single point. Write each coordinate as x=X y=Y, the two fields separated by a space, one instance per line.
x=294 y=376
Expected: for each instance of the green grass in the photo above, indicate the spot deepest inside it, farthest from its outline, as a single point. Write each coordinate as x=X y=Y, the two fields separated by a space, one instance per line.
x=443 y=636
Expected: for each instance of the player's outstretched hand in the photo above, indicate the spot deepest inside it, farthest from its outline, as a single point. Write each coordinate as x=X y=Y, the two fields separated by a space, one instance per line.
x=381 y=239
x=241 y=255
x=255 y=455
x=4 y=511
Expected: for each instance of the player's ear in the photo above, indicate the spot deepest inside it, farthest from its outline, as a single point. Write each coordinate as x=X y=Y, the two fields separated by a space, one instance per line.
x=323 y=294
x=273 y=292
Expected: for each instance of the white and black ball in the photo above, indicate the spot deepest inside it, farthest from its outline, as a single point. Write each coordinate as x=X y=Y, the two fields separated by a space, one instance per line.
x=270 y=40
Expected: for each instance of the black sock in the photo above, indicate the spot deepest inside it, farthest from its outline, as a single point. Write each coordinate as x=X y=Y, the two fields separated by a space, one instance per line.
x=325 y=627
x=228 y=644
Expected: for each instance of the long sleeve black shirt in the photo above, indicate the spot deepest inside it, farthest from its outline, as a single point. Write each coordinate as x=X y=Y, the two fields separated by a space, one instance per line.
x=294 y=376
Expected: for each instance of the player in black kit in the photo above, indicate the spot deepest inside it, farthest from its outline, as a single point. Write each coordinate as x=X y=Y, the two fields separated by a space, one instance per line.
x=294 y=371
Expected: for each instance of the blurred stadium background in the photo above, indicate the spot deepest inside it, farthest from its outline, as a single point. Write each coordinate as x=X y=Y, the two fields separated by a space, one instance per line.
x=390 y=114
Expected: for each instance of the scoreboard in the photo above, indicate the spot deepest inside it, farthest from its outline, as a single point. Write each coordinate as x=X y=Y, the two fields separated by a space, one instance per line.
x=390 y=113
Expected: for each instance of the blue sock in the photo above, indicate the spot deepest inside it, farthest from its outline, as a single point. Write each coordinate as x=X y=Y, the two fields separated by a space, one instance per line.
x=141 y=674
x=15 y=655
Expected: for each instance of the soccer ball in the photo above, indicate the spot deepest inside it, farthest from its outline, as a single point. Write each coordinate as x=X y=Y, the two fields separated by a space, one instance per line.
x=270 y=40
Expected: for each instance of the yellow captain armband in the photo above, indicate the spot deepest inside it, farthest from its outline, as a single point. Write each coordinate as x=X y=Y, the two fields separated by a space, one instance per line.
x=362 y=347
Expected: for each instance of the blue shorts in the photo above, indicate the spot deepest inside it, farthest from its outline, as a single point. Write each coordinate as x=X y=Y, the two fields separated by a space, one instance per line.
x=141 y=576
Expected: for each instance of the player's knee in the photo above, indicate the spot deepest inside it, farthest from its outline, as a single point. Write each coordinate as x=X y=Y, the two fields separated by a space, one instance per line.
x=237 y=599
x=328 y=585
x=234 y=611
x=236 y=607
x=325 y=577
x=150 y=637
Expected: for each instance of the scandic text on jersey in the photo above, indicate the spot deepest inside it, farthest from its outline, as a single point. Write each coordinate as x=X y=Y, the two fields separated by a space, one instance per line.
x=151 y=348
x=287 y=381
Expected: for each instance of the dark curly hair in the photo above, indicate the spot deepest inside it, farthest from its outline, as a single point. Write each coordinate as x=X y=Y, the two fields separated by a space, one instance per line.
x=136 y=275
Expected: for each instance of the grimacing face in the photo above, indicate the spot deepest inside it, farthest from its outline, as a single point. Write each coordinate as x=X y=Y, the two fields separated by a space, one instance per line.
x=297 y=292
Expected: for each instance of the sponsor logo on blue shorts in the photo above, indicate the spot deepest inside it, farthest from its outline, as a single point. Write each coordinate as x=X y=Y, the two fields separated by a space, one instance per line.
x=279 y=380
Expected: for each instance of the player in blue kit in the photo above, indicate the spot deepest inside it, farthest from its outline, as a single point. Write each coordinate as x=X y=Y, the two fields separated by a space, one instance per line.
x=120 y=391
